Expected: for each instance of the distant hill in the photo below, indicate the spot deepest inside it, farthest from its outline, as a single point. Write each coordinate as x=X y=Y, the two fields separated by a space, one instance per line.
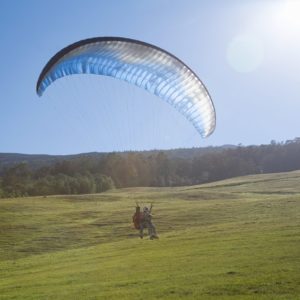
x=32 y=175
x=36 y=161
x=39 y=160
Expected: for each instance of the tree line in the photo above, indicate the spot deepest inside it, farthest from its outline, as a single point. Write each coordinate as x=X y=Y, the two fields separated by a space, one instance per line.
x=84 y=174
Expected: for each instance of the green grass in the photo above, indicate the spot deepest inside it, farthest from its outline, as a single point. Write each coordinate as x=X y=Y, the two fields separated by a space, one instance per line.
x=233 y=239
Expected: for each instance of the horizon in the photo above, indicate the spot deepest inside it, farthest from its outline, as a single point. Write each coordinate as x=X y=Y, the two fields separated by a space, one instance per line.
x=150 y=150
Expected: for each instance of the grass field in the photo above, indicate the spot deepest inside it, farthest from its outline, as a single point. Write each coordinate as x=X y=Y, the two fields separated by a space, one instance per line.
x=233 y=239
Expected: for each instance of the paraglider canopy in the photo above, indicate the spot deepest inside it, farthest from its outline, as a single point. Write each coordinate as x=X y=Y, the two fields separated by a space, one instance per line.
x=144 y=65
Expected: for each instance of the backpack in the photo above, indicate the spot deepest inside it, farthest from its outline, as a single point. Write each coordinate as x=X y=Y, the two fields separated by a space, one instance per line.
x=136 y=219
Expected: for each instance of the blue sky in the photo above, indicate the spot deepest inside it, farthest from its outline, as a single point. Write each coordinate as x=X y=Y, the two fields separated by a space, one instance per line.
x=246 y=53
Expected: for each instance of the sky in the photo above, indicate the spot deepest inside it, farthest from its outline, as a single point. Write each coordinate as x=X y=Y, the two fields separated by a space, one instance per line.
x=245 y=52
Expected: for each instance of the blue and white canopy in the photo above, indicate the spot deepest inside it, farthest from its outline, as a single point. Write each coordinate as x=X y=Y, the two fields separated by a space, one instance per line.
x=139 y=63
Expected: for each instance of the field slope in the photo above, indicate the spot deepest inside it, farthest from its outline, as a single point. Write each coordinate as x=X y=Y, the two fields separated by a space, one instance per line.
x=233 y=239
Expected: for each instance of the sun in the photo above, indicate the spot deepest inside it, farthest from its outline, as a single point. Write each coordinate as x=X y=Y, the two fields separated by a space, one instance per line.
x=288 y=14
x=274 y=29
x=284 y=18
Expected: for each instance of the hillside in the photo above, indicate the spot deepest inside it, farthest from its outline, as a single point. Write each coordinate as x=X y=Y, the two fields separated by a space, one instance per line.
x=98 y=172
x=232 y=239
x=40 y=160
x=37 y=160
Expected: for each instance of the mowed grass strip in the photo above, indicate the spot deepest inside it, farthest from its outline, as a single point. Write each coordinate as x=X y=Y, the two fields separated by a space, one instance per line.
x=214 y=243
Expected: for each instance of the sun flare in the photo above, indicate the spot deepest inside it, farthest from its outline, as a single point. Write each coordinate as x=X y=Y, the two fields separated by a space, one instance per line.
x=245 y=53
